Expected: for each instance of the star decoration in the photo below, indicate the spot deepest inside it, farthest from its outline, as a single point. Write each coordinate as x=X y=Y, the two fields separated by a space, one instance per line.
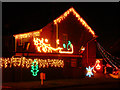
x=89 y=71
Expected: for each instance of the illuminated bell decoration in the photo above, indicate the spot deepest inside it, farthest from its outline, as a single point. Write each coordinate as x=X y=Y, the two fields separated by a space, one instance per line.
x=89 y=71
x=34 y=68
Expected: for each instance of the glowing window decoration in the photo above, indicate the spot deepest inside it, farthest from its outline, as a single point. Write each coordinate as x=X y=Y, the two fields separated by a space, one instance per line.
x=27 y=62
x=80 y=19
x=89 y=71
x=64 y=45
x=43 y=47
x=34 y=68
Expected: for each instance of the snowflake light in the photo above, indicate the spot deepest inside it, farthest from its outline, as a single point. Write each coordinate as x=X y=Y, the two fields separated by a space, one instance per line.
x=89 y=71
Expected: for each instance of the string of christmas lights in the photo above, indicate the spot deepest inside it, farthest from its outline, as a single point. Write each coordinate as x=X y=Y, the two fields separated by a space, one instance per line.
x=107 y=56
x=27 y=62
x=81 y=20
x=29 y=34
x=115 y=59
x=43 y=46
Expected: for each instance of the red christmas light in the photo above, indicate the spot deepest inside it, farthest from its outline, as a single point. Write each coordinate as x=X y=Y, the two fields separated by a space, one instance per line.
x=98 y=66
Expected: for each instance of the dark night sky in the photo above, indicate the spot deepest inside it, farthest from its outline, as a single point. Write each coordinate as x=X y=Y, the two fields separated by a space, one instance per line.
x=103 y=18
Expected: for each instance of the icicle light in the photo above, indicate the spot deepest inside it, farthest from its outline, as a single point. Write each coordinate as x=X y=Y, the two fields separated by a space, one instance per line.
x=63 y=16
x=27 y=62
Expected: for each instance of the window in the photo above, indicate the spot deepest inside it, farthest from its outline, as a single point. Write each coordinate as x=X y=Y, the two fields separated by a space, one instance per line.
x=73 y=62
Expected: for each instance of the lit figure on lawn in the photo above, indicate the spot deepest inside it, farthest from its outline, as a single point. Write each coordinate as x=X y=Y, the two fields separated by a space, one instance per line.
x=97 y=65
x=34 y=68
x=89 y=71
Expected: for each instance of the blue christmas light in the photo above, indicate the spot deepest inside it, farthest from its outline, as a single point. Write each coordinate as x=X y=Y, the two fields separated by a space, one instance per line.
x=64 y=45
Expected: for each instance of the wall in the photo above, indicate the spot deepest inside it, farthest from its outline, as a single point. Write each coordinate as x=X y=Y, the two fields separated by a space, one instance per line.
x=8 y=45
x=69 y=71
x=77 y=34
x=89 y=55
x=48 y=32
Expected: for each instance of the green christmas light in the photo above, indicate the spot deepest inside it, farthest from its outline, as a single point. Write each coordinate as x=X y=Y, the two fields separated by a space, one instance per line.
x=69 y=44
x=34 y=68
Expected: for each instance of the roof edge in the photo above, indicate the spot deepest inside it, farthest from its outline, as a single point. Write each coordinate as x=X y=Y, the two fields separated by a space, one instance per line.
x=65 y=14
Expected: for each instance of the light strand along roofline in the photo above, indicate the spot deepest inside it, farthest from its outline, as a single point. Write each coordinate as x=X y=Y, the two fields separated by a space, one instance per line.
x=64 y=15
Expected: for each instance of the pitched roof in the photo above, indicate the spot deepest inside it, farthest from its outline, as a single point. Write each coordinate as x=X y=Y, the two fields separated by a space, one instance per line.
x=80 y=19
x=62 y=17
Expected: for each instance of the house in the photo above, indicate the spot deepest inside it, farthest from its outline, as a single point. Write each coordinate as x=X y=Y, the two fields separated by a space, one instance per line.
x=70 y=27
x=68 y=37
